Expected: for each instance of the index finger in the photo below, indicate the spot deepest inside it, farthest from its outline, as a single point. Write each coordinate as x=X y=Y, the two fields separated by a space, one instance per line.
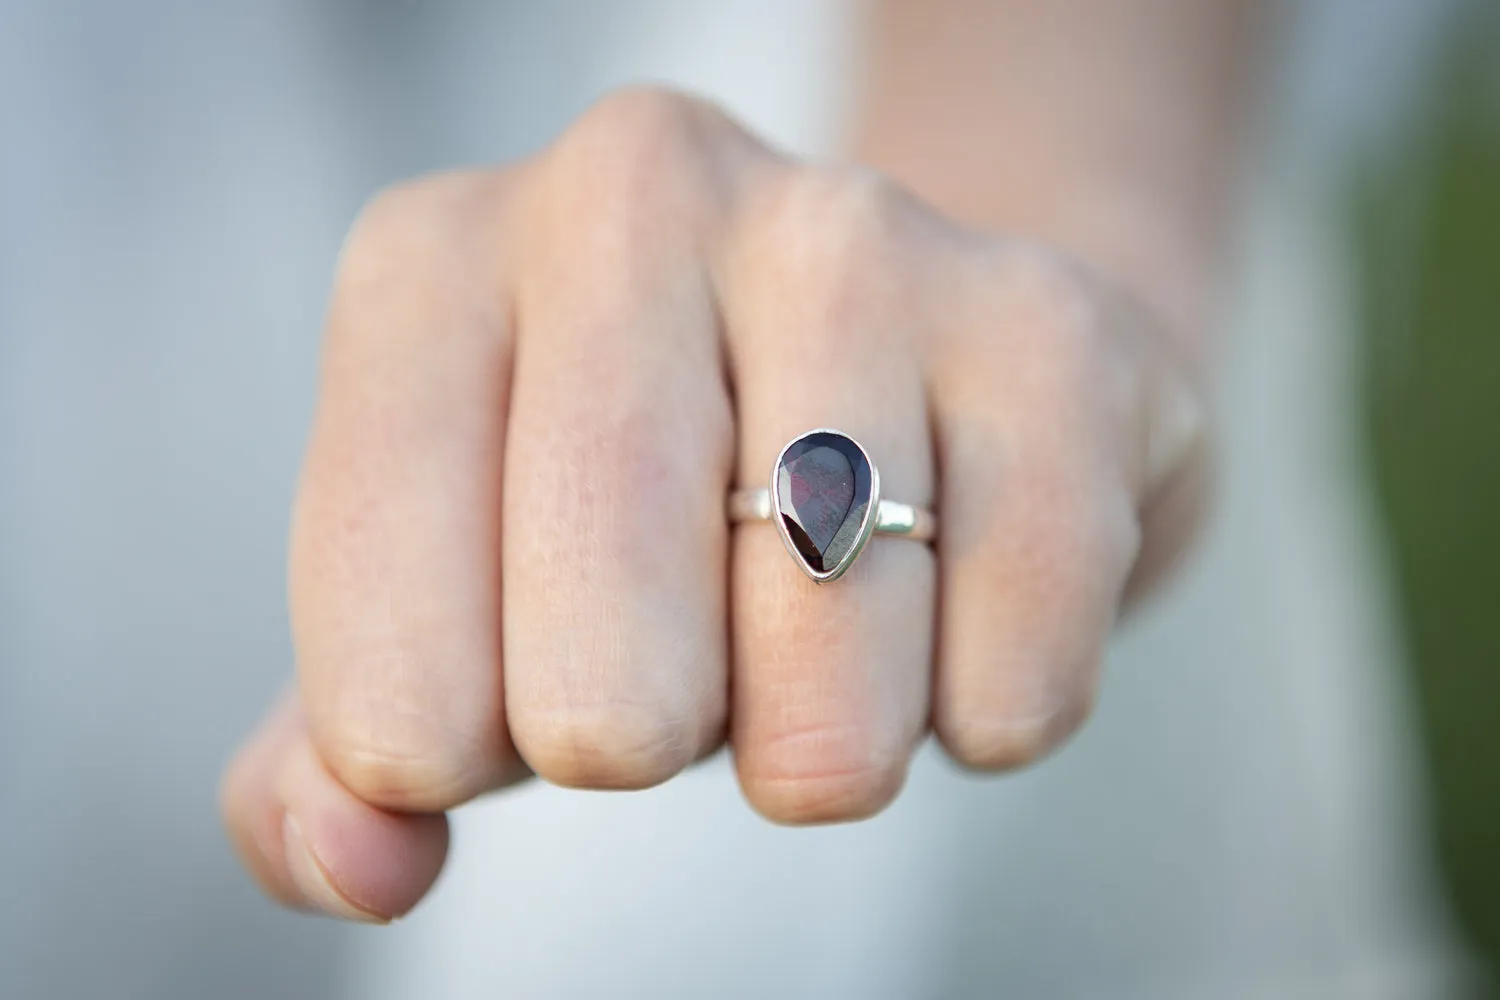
x=395 y=581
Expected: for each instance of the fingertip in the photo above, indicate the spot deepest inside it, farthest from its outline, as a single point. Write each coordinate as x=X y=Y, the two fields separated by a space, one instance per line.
x=251 y=814
x=311 y=844
x=348 y=858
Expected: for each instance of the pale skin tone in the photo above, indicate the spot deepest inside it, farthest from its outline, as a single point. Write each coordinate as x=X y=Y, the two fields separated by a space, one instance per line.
x=509 y=554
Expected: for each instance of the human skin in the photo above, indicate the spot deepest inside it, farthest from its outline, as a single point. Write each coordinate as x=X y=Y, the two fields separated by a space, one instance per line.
x=509 y=554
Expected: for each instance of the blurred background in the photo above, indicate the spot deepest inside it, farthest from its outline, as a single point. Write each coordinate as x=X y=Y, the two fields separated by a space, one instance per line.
x=1298 y=756
x=1426 y=225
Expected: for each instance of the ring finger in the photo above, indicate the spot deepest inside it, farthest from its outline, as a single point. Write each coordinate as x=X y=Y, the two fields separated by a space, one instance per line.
x=829 y=683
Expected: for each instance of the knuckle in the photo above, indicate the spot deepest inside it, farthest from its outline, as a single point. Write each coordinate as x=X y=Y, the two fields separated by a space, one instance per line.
x=647 y=113
x=1037 y=320
x=990 y=744
x=636 y=150
x=1046 y=283
x=824 y=775
x=414 y=231
x=408 y=750
x=1049 y=302
x=1049 y=292
x=1004 y=741
x=615 y=745
x=430 y=777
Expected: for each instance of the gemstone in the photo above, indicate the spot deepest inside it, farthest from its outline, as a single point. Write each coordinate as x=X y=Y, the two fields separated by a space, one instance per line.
x=823 y=485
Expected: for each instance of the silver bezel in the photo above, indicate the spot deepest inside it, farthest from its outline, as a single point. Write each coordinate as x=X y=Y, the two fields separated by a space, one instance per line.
x=866 y=527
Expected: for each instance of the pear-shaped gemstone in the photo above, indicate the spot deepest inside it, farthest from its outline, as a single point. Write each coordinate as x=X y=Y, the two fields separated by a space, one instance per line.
x=822 y=496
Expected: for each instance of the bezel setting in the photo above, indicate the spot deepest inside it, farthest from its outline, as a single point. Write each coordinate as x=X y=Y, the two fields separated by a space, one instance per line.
x=833 y=460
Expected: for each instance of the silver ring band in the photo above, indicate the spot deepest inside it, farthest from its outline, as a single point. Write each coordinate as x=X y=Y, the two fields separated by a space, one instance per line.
x=901 y=520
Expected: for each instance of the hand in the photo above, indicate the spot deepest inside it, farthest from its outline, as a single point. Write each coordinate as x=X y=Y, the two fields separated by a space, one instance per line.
x=510 y=554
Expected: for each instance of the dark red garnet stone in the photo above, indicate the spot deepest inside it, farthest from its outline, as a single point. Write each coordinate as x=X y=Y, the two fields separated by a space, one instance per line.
x=822 y=493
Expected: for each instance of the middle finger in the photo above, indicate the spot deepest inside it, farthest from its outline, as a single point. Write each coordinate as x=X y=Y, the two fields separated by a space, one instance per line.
x=617 y=460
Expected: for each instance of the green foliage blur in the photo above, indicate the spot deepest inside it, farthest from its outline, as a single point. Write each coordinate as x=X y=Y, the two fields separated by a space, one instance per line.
x=1429 y=233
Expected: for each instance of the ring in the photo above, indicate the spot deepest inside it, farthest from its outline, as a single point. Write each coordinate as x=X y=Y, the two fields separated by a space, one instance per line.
x=825 y=500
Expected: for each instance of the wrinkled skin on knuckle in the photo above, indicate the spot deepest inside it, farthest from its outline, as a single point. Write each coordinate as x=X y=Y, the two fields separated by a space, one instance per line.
x=838 y=791
x=825 y=773
x=623 y=709
x=988 y=738
x=411 y=775
x=605 y=745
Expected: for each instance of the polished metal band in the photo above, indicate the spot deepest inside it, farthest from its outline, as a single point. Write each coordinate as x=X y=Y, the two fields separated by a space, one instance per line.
x=899 y=519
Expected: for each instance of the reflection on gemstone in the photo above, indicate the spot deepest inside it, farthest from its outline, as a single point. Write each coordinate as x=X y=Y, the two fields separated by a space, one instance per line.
x=819 y=484
x=822 y=493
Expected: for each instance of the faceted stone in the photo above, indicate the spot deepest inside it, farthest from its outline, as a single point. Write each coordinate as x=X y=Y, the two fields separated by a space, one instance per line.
x=823 y=492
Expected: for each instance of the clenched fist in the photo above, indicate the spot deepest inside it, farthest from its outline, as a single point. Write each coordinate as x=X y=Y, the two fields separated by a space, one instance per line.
x=510 y=552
